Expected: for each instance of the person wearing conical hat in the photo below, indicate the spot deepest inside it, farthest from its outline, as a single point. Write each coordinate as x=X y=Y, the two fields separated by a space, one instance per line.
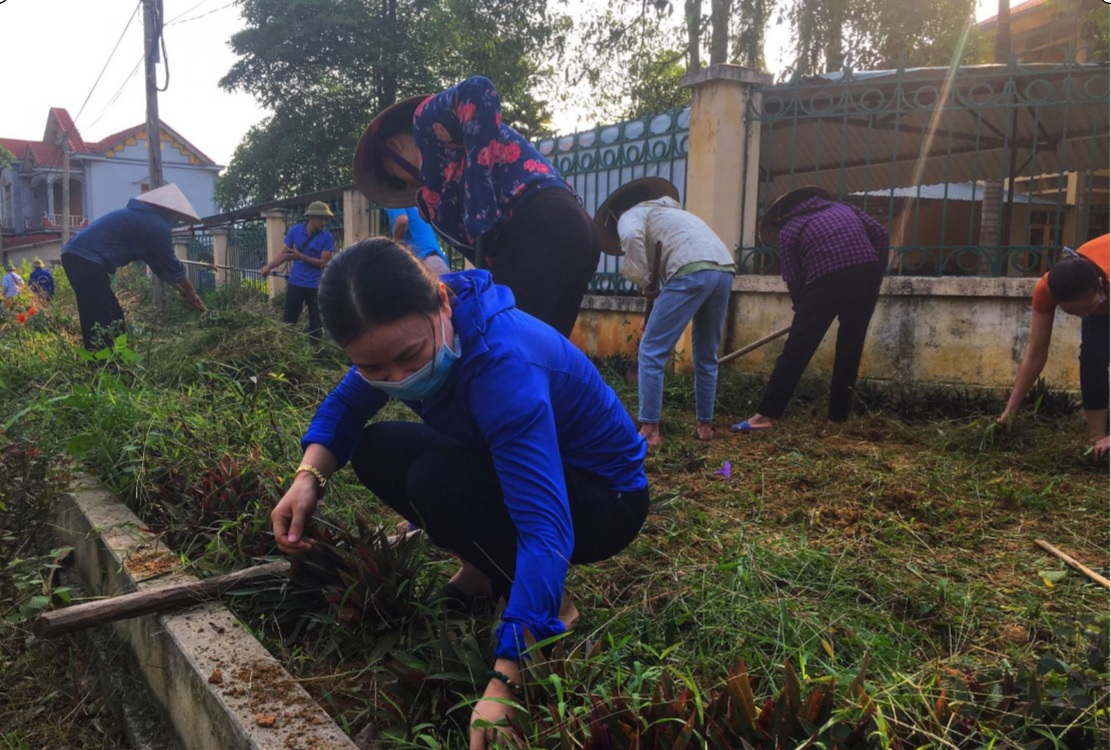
x=833 y=257
x=141 y=231
x=678 y=261
x=487 y=190
x=41 y=282
x=310 y=246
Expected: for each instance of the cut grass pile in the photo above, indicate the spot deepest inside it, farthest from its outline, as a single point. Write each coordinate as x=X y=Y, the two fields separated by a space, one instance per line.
x=900 y=544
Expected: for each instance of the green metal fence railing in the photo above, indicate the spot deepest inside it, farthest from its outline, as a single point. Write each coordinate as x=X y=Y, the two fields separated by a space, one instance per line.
x=975 y=170
x=598 y=161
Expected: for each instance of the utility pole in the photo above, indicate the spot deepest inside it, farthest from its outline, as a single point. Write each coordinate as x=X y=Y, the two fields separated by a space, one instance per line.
x=152 y=34
x=65 y=188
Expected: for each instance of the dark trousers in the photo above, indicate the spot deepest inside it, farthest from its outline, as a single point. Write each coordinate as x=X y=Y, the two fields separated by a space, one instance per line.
x=848 y=295
x=97 y=307
x=297 y=297
x=453 y=493
x=547 y=253
x=1095 y=352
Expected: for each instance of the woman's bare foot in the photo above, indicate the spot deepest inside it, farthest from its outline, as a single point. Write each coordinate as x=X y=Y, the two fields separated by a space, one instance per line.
x=651 y=433
x=705 y=432
x=568 y=612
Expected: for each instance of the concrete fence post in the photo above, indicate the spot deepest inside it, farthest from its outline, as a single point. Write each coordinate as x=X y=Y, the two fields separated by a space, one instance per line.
x=275 y=242
x=717 y=177
x=356 y=217
x=220 y=255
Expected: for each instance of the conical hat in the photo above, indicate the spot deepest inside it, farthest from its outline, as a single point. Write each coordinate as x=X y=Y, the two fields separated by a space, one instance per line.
x=170 y=197
x=621 y=200
x=371 y=176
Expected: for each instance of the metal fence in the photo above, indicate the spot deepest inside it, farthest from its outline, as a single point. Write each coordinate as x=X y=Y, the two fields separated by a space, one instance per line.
x=976 y=170
x=598 y=161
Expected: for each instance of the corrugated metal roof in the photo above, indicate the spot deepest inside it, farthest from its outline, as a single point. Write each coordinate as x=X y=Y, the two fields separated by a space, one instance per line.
x=952 y=191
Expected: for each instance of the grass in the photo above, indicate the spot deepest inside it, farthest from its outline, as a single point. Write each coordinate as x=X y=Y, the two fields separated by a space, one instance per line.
x=899 y=543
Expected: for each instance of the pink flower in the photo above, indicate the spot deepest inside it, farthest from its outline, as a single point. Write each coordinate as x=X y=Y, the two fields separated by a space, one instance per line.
x=497 y=119
x=532 y=165
x=431 y=200
x=488 y=155
x=510 y=152
x=441 y=132
x=465 y=112
x=453 y=170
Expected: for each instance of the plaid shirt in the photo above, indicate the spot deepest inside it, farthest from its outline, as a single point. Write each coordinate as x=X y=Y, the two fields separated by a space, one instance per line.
x=821 y=236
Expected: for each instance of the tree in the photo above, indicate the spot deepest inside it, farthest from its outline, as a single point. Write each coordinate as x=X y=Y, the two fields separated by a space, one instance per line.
x=627 y=61
x=325 y=66
x=871 y=34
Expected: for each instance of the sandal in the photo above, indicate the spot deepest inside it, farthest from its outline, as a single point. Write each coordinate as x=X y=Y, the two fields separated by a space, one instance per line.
x=747 y=428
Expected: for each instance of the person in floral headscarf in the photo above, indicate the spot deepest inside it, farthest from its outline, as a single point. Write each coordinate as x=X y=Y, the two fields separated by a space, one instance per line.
x=488 y=191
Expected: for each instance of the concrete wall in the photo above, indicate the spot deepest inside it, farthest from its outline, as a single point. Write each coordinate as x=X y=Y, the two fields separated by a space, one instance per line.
x=50 y=252
x=965 y=331
x=111 y=183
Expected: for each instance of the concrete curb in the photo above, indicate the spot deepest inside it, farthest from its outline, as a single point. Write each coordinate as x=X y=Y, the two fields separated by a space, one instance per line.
x=217 y=685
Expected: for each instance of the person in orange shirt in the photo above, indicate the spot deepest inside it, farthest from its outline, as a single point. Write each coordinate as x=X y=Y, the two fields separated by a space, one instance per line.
x=1078 y=285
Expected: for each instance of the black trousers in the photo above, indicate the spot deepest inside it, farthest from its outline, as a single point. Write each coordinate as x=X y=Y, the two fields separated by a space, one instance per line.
x=547 y=253
x=97 y=307
x=297 y=297
x=848 y=295
x=452 y=492
x=1095 y=353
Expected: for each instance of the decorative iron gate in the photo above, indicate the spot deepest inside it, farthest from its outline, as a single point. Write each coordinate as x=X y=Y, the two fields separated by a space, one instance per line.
x=596 y=162
x=975 y=170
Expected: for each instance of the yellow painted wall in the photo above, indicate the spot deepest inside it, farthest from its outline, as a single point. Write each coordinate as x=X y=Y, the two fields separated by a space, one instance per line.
x=964 y=331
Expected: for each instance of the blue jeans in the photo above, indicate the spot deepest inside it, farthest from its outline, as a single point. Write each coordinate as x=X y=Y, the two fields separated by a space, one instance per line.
x=701 y=297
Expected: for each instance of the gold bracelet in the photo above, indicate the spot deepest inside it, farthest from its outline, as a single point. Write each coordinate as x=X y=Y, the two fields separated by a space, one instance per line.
x=315 y=472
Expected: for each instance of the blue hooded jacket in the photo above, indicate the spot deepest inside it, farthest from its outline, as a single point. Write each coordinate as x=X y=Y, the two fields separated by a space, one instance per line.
x=524 y=393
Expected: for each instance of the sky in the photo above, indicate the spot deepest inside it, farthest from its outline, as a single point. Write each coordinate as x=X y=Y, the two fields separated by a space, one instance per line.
x=59 y=53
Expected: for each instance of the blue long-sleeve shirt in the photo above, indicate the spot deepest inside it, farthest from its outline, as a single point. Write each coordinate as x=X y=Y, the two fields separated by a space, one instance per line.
x=536 y=403
x=138 y=232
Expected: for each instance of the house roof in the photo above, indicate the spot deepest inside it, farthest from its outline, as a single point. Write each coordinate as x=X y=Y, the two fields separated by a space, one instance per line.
x=48 y=152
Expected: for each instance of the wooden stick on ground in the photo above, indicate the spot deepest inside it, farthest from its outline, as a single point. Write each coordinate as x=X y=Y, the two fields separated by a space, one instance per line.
x=754 y=345
x=161 y=599
x=1072 y=562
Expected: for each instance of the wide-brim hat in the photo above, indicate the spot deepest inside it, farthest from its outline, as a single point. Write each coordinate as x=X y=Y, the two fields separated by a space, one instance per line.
x=621 y=200
x=371 y=176
x=170 y=197
x=782 y=206
x=318 y=208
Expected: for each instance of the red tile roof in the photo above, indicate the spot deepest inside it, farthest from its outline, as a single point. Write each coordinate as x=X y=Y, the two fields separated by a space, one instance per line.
x=47 y=153
x=28 y=239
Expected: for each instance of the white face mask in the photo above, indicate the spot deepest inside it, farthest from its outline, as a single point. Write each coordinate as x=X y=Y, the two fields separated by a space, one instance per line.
x=428 y=379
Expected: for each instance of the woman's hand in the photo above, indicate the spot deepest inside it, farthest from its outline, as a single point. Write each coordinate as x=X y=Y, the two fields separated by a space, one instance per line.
x=1101 y=448
x=293 y=513
x=494 y=711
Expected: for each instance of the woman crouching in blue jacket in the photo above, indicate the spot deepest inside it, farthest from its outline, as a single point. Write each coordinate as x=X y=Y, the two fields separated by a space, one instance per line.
x=525 y=461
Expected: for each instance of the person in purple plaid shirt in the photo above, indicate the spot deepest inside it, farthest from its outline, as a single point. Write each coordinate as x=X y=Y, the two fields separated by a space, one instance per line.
x=833 y=257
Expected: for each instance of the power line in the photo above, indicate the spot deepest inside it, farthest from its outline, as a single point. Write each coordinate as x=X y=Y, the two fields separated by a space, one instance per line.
x=190 y=10
x=202 y=15
x=119 y=91
x=106 y=62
